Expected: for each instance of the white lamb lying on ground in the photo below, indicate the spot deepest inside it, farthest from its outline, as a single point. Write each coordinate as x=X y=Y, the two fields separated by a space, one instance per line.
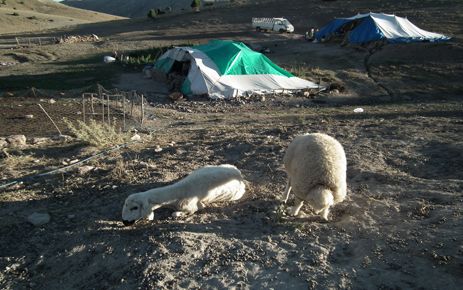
x=203 y=186
x=316 y=166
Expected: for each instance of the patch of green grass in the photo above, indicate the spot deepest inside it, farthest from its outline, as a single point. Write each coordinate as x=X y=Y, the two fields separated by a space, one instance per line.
x=139 y=58
x=143 y=57
x=67 y=76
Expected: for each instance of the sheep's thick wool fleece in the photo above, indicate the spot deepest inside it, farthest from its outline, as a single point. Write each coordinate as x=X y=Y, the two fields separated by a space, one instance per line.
x=316 y=159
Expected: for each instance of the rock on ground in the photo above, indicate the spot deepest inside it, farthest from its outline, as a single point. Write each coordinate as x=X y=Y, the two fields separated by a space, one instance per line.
x=16 y=140
x=38 y=219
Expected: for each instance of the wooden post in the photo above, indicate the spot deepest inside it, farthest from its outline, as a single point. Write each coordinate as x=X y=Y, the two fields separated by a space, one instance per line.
x=17 y=42
x=123 y=110
x=131 y=103
x=109 y=107
x=142 y=111
x=102 y=106
x=83 y=107
x=91 y=103
x=40 y=42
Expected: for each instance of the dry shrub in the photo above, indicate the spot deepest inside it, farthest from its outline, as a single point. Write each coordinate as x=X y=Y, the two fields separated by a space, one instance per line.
x=13 y=161
x=119 y=170
x=98 y=134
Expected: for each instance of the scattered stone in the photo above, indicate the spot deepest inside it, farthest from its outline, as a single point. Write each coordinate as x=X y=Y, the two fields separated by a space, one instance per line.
x=13 y=267
x=3 y=144
x=71 y=216
x=73 y=161
x=29 y=116
x=17 y=186
x=16 y=140
x=176 y=96
x=358 y=110
x=79 y=38
x=136 y=137
x=158 y=148
x=8 y=63
x=38 y=219
x=85 y=169
x=39 y=140
x=146 y=164
x=62 y=138
x=51 y=101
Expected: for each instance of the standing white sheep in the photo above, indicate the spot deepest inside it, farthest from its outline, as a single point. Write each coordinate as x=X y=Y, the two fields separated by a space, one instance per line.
x=203 y=186
x=316 y=166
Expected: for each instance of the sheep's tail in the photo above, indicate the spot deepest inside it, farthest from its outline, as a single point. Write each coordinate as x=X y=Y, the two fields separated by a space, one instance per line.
x=287 y=190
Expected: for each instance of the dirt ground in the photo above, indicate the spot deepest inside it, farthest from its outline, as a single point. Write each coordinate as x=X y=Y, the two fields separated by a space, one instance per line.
x=399 y=228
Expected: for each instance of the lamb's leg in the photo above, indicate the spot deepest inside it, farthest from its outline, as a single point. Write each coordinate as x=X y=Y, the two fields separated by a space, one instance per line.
x=153 y=208
x=187 y=208
x=322 y=199
x=201 y=205
x=294 y=210
x=287 y=190
x=324 y=213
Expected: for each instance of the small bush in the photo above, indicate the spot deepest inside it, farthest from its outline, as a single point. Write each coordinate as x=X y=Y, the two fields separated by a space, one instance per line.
x=97 y=134
x=143 y=57
x=152 y=13
x=195 y=4
x=15 y=14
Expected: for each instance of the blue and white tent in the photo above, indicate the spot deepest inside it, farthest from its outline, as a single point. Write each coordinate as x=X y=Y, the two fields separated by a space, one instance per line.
x=364 y=28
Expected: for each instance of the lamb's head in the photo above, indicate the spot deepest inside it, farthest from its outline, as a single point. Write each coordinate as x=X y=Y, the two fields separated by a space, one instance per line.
x=135 y=208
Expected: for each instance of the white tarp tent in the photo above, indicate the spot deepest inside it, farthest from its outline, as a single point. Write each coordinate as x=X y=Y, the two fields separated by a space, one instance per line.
x=226 y=69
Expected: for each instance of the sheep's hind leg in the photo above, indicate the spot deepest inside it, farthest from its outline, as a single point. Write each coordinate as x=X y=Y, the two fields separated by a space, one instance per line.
x=294 y=210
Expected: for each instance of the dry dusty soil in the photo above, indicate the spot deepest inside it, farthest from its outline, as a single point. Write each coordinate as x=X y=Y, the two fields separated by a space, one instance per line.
x=399 y=228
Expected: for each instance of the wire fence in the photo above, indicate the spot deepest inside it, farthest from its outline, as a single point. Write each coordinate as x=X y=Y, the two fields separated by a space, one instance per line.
x=107 y=104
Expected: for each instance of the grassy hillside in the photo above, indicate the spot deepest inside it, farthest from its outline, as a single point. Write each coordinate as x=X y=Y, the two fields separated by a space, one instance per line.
x=139 y=8
x=33 y=15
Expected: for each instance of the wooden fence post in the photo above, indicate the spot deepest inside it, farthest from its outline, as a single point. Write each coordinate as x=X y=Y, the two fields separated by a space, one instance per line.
x=142 y=111
x=83 y=106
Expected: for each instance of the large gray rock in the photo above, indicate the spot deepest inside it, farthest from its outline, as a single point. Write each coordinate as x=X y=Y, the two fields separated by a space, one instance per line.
x=38 y=219
x=3 y=143
x=40 y=140
x=62 y=138
x=16 y=140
